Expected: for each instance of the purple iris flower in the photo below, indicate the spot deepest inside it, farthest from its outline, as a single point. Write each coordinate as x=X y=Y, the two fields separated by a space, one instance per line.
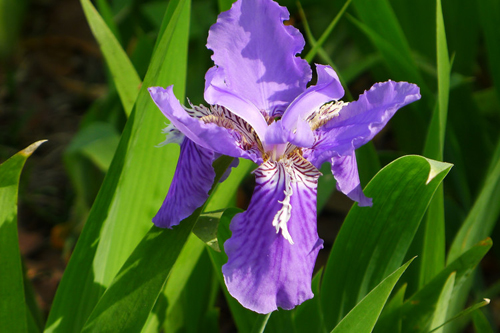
x=261 y=109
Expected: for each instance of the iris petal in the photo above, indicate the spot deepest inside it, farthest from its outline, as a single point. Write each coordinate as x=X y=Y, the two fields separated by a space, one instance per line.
x=358 y=122
x=209 y=136
x=216 y=95
x=256 y=53
x=192 y=180
x=345 y=171
x=328 y=88
x=264 y=270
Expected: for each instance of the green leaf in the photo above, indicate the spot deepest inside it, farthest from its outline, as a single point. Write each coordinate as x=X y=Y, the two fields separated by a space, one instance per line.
x=13 y=311
x=364 y=315
x=260 y=324
x=442 y=304
x=483 y=215
x=312 y=53
x=224 y=4
x=481 y=323
x=432 y=240
x=179 y=276
x=377 y=238
x=118 y=220
x=97 y=142
x=465 y=312
x=417 y=312
x=127 y=302
x=434 y=144
x=396 y=301
x=478 y=224
x=388 y=37
x=125 y=77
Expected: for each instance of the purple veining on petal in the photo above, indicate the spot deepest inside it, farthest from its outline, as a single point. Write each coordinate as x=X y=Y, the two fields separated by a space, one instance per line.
x=359 y=121
x=216 y=95
x=256 y=53
x=345 y=171
x=192 y=180
x=209 y=136
x=264 y=271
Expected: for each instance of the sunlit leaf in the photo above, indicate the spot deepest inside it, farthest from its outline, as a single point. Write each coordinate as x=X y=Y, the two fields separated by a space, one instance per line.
x=364 y=315
x=118 y=220
x=125 y=77
x=377 y=238
x=13 y=310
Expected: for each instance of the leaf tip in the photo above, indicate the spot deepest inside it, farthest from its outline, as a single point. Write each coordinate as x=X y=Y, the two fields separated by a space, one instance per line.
x=31 y=148
x=436 y=168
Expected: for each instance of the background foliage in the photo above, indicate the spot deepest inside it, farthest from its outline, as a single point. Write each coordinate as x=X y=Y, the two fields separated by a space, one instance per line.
x=126 y=275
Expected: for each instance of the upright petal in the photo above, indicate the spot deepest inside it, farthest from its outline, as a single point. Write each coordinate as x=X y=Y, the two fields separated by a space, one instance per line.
x=358 y=122
x=192 y=180
x=345 y=171
x=256 y=53
x=209 y=136
x=264 y=270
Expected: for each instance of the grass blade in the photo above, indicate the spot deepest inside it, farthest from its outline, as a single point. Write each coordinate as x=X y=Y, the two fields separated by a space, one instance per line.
x=118 y=221
x=417 y=312
x=442 y=304
x=317 y=45
x=13 y=310
x=126 y=304
x=432 y=240
x=364 y=315
x=125 y=77
x=465 y=312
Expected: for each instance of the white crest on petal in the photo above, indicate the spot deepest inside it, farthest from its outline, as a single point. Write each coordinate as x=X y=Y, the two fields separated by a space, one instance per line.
x=283 y=215
x=291 y=169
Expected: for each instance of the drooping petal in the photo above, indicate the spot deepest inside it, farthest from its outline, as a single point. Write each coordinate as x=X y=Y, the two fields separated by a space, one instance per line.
x=327 y=89
x=345 y=171
x=207 y=135
x=192 y=180
x=264 y=270
x=358 y=122
x=256 y=53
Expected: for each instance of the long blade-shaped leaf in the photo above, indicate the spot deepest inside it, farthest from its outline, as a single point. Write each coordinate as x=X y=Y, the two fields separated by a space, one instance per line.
x=125 y=77
x=312 y=53
x=377 y=238
x=465 y=312
x=364 y=315
x=126 y=304
x=13 y=311
x=133 y=189
x=442 y=303
x=417 y=312
x=432 y=256
x=483 y=215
